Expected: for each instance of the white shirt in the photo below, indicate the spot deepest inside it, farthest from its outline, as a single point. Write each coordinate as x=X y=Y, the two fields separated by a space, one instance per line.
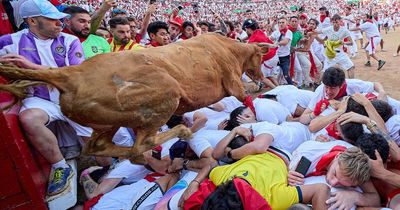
x=313 y=151
x=286 y=136
x=370 y=29
x=353 y=86
x=270 y=111
x=333 y=35
x=283 y=50
x=348 y=21
x=204 y=139
x=291 y=97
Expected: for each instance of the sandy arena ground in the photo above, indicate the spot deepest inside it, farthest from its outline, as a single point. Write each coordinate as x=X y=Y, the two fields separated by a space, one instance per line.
x=389 y=75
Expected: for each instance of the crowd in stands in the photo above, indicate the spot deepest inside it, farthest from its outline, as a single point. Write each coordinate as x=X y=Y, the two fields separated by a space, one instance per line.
x=318 y=136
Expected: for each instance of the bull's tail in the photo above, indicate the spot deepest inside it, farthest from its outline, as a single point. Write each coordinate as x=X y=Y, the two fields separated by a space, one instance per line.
x=50 y=76
x=24 y=78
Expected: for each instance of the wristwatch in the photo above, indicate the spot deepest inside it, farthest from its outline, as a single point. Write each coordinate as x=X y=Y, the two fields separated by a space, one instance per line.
x=185 y=162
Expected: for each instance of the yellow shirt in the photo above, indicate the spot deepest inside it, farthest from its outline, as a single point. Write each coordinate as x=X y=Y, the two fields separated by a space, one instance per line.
x=267 y=174
x=130 y=46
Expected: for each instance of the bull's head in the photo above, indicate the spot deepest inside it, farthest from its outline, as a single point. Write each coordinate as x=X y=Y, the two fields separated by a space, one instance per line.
x=252 y=65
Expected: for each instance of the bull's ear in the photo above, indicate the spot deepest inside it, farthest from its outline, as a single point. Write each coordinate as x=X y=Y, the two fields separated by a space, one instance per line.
x=263 y=48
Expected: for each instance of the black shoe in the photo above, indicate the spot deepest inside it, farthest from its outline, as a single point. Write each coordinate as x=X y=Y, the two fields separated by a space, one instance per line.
x=380 y=64
x=368 y=64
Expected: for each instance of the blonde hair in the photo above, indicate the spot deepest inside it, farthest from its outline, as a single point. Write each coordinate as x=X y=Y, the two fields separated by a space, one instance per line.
x=355 y=165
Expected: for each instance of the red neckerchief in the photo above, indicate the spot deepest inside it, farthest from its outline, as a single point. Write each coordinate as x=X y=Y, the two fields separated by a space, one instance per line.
x=283 y=31
x=322 y=18
x=248 y=102
x=326 y=160
x=183 y=37
x=81 y=39
x=291 y=28
x=369 y=20
x=342 y=91
x=155 y=44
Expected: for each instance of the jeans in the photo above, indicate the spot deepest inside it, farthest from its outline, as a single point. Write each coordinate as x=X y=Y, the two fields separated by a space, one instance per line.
x=284 y=63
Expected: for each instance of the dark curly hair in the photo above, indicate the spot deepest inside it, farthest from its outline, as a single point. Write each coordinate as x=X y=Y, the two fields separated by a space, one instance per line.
x=368 y=143
x=383 y=108
x=225 y=197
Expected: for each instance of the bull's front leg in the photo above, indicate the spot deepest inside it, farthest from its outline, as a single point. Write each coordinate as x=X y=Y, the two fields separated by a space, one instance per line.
x=101 y=144
x=234 y=87
x=145 y=144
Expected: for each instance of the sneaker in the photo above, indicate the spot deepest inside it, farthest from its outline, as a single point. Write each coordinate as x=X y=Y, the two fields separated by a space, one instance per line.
x=59 y=180
x=368 y=63
x=380 y=64
x=395 y=55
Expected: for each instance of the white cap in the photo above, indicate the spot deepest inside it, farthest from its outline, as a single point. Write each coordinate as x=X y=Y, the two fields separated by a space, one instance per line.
x=36 y=8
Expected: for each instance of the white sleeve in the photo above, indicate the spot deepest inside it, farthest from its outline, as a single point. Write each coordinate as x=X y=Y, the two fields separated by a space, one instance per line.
x=199 y=144
x=360 y=86
x=289 y=35
x=364 y=26
x=318 y=95
x=265 y=128
x=275 y=35
x=346 y=33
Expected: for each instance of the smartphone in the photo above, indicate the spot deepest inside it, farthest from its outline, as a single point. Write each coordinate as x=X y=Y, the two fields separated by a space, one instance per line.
x=303 y=165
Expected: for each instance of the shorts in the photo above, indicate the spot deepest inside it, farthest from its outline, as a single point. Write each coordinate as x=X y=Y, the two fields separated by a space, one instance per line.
x=141 y=195
x=268 y=67
x=341 y=59
x=372 y=45
x=54 y=112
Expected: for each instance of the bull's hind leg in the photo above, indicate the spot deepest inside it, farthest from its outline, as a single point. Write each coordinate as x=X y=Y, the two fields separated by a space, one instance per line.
x=148 y=142
x=101 y=145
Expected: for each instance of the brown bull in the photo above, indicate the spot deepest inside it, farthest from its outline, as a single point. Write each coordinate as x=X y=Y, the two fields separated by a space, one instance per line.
x=141 y=90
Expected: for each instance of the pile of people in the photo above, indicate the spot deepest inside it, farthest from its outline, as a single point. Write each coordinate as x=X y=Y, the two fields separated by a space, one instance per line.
x=314 y=137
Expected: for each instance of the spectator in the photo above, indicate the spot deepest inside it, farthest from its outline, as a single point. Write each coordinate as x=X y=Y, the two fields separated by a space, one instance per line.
x=40 y=47
x=78 y=24
x=121 y=32
x=159 y=35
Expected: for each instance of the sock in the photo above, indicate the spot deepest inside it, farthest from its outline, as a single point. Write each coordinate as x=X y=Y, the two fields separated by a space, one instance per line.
x=62 y=163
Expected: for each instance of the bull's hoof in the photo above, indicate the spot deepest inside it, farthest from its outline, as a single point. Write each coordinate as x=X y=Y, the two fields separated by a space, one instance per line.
x=138 y=160
x=184 y=132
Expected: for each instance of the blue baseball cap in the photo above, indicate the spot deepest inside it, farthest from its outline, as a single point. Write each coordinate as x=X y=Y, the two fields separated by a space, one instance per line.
x=36 y=8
